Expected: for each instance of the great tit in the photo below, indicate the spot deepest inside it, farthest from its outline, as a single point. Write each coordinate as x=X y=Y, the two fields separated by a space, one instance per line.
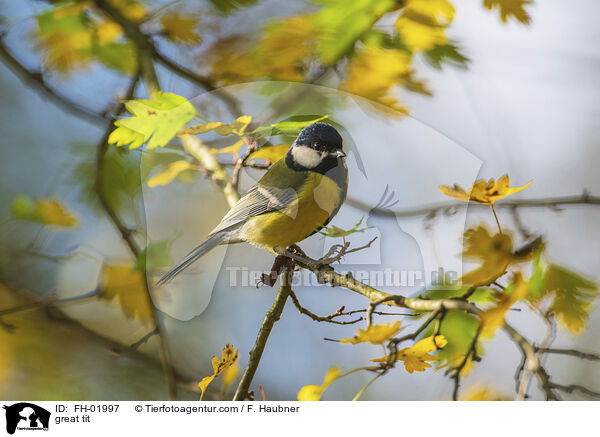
x=295 y=198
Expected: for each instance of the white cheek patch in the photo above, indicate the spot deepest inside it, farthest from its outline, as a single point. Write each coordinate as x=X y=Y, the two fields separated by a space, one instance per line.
x=307 y=157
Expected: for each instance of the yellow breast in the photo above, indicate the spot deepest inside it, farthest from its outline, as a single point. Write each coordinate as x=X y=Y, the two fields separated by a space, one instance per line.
x=311 y=209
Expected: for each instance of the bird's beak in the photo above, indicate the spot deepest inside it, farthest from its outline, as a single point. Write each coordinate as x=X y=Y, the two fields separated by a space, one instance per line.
x=340 y=154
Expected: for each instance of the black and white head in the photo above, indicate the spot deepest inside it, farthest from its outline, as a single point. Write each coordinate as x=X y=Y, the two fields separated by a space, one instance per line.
x=319 y=147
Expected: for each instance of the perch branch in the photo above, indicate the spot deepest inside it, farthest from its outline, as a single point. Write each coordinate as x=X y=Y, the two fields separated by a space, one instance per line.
x=273 y=315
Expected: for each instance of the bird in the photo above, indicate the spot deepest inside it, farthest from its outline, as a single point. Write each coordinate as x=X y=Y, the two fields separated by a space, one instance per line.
x=297 y=196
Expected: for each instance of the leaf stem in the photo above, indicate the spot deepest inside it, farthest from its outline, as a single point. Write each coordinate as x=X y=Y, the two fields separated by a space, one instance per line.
x=496 y=217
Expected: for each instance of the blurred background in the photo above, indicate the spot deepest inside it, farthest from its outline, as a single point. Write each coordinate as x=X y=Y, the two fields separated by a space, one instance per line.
x=446 y=92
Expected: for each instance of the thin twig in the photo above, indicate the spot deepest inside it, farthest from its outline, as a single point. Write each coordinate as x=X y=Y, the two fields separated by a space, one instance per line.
x=328 y=319
x=571 y=352
x=448 y=208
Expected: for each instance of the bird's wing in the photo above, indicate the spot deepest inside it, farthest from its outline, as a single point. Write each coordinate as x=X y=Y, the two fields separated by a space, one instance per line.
x=271 y=193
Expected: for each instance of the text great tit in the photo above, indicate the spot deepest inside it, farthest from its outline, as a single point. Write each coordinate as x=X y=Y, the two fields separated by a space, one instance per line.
x=295 y=198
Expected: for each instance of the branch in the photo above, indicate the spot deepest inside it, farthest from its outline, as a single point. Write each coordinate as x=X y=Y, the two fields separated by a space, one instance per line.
x=450 y=208
x=328 y=274
x=575 y=387
x=571 y=352
x=133 y=246
x=198 y=150
x=329 y=319
x=273 y=315
x=35 y=80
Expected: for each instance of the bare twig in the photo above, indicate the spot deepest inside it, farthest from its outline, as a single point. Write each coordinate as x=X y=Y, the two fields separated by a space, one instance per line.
x=329 y=319
x=571 y=352
x=575 y=387
x=451 y=208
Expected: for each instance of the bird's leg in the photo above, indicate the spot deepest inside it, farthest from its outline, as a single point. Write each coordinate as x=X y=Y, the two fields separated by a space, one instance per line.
x=281 y=262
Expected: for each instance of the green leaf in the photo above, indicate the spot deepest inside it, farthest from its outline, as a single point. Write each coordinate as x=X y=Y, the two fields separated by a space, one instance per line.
x=481 y=294
x=117 y=56
x=24 y=207
x=121 y=181
x=154 y=121
x=155 y=256
x=535 y=284
x=290 y=126
x=226 y=7
x=448 y=53
x=458 y=328
x=335 y=232
x=573 y=297
x=342 y=23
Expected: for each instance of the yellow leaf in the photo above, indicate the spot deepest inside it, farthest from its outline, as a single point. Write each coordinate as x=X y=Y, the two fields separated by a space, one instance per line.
x=166 y=176
x=440 y=10
x=493 y=317
x=236 y=128
x=415 y=357
x=482 y=191
x=314 y=392
x=270 y=153
x=154 y=121
x=482 y=393
x=422 y=23
x=373 y=71
x=573 y=297
x=230 y=374
x=233 y=149
x=130 y=9
x=53 y=213
x=229 y=357
x=180 y=28
x=125 y=285
x=510 y=8
x=495 y=253
x=374 y=334
x=107 y=31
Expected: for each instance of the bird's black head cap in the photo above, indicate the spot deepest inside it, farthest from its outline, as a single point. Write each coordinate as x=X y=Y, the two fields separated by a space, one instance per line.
x=320 y=136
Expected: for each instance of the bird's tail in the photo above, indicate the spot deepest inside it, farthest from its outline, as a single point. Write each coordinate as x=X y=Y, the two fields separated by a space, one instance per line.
x=213 y=241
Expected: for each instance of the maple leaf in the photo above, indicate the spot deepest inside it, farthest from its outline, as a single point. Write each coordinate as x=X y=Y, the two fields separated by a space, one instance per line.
x=415 y=357
x=314 y=392
x=494 y=252
x=339 y=24
x=229 y=357
x=290 y=126
x=154 y=121
x=373 y=71
x=510 y=8
x=482 y=191
x=180 y=28
x=374 y=334
x=172 y=171
x=573 y=297
x=422 y=23
x=126 y=285
x=493 y=318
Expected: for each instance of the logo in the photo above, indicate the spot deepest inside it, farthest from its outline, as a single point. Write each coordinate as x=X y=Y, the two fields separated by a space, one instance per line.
x=26 y=416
